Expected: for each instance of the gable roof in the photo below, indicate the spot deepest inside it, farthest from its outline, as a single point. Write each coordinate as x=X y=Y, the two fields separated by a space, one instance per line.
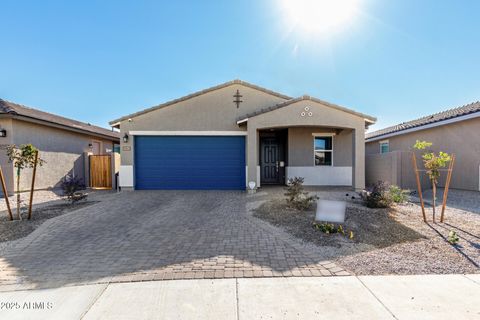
x=17 y=110
x=436 y=118
x=199 y=93
x=305 y=97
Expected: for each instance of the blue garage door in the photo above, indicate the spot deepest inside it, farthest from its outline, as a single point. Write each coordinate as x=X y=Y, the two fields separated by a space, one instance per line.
x=190 y=162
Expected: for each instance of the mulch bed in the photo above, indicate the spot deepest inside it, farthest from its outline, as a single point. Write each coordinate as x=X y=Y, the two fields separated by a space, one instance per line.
x=386 y=241
x=16 y=229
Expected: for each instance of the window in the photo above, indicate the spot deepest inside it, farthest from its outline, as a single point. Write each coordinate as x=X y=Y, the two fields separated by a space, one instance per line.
x=384 y=146
x=323 y=151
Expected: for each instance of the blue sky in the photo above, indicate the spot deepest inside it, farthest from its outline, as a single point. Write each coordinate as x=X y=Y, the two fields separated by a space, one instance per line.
x=97 y=60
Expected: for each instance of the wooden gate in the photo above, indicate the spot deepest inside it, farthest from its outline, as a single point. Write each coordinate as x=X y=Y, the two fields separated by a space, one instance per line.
x=100 y=171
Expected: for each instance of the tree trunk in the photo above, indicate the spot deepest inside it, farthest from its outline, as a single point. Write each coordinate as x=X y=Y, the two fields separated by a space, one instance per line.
x=18 y=195
x=434 y=191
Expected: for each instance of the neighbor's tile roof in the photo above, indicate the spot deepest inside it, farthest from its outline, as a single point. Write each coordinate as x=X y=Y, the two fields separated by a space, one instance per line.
x=305 y=97
x=437 y=117
x=15 y=109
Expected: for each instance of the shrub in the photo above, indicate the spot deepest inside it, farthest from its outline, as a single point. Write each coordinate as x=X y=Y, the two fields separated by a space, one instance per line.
x=399 y=195
x=325 y=227
x=297 y=197
x=329 y=228
x=453 y=237
x=377 y=196
x=71 y=186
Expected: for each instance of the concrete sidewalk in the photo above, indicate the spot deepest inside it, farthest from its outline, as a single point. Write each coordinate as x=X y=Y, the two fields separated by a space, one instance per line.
x=369 y=297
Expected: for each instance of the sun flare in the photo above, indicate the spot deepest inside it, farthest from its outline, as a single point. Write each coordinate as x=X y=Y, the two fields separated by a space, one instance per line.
x=320 y=15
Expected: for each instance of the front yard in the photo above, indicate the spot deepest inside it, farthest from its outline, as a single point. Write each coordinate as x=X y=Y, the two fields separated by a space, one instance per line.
x=46 y=205
x=385 y=241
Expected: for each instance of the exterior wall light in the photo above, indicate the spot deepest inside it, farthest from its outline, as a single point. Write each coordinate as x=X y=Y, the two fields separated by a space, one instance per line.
x=125 y=138
x=3 y=133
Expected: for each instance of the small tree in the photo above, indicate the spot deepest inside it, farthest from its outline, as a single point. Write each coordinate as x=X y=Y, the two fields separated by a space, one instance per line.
x=433 y=163
x=22 y=157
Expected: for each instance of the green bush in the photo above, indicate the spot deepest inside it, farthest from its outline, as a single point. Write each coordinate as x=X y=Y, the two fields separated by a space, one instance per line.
x=377 y=196
x=453 y=237
x=325 y=227
x=329 y=228
x=297 y=197
x=399 y=195
x=71 y=186
x=382 y=195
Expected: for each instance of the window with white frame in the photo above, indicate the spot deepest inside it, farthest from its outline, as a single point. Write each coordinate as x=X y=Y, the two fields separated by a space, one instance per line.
x=384 y=146
x=323 y=150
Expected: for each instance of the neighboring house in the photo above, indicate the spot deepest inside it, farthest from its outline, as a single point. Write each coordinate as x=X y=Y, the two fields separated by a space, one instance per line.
x=63 y=144
x=454 y=131
x=229 y=135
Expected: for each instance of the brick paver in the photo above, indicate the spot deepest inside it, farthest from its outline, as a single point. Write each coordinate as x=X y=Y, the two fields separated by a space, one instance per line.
x=158 y=235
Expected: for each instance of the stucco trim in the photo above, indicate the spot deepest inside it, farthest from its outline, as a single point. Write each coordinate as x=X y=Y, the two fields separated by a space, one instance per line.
x=116 y=122
x=242 y=121
x=126 y=176
x=188 y=133
x=322 y=175
x=424 y=127
x=324 y=134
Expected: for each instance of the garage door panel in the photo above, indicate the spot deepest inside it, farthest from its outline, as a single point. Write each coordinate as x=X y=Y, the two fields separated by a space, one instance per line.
x=190 y=162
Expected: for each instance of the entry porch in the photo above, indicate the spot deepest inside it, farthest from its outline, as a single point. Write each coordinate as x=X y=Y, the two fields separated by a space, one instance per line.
x=322 y=156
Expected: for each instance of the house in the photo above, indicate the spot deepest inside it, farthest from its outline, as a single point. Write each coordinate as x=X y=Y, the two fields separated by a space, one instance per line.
x=388 y=151
x=238 y=134
x=63 y=144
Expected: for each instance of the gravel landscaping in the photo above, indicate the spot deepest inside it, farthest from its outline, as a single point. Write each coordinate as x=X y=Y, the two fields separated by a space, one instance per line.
x=47 y=204
x=16 y=229
x=386 y=241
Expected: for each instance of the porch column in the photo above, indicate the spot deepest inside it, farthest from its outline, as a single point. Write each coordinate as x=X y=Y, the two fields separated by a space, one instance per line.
x=252 y=154
x=358 y=152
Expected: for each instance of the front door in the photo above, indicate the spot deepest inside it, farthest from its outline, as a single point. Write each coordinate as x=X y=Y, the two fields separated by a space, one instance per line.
x=269 y=162
x=96 y=148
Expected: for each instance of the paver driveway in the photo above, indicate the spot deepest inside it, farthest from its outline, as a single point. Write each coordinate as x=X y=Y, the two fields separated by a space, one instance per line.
x=154 y=235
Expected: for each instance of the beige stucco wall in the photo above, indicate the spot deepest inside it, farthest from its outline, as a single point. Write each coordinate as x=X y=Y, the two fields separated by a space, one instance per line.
x=215 y=111
x=301 y=146
x=212 y=111
x=62 y=150
x=322 y=115
x=461 y=138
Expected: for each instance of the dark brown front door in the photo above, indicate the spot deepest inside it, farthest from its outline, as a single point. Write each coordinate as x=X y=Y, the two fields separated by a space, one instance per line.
x=269 y=162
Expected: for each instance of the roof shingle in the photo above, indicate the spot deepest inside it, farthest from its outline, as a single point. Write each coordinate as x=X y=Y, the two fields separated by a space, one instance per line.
x=436 y=117
x=14 y=109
